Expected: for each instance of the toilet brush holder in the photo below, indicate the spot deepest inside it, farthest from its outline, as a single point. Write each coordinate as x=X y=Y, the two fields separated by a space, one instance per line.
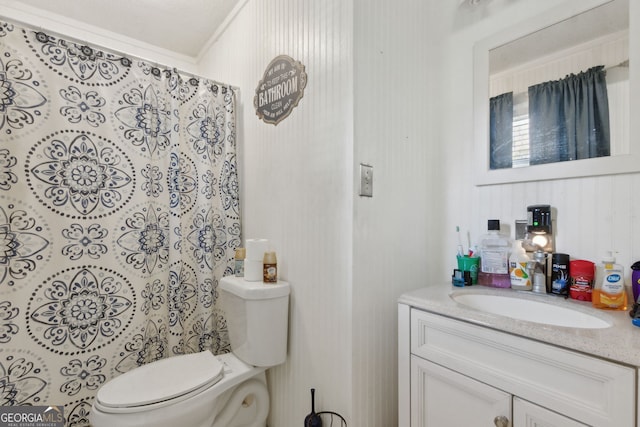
x=313 y=419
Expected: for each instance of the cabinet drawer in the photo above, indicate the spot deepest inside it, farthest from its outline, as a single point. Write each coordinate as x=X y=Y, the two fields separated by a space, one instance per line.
x=591 y=390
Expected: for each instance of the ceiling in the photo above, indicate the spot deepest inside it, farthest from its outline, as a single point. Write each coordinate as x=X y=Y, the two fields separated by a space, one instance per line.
x=181 y=26
x=598 y=22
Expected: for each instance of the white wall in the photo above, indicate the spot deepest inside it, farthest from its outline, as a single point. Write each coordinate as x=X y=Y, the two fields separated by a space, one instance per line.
x=397 y=232
x=296 y=188
x=348 y=257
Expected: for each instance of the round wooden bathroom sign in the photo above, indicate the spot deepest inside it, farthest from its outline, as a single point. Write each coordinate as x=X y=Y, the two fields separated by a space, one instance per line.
x=280 y=90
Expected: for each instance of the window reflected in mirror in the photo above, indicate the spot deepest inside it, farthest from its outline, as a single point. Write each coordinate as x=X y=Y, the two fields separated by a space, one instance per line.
x=561 y=93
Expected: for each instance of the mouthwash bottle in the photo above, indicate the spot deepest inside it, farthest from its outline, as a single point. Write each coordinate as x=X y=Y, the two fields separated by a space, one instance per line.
x=494 y=257
x=609 y=291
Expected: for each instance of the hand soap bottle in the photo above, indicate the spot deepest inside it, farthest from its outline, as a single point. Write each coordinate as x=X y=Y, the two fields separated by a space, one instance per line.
x=494 y=257
x=518 y=271
x=609 y=291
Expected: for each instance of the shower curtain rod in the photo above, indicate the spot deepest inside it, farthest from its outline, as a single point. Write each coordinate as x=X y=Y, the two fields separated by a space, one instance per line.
x=114 y=51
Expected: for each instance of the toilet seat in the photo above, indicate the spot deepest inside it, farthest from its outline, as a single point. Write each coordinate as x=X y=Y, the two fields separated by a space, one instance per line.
x=162 y=382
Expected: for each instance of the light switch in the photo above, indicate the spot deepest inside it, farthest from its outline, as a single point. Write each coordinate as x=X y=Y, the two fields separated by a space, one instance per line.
x=366 y=180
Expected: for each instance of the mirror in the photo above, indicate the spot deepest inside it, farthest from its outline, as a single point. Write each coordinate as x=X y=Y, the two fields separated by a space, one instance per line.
x=568 y=39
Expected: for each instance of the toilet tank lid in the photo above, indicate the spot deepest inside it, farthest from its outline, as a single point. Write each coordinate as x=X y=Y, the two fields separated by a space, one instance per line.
x=254 y=290
x=161 y=380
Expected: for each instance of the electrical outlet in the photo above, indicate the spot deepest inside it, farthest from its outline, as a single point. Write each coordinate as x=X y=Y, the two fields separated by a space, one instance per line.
x=366 y=180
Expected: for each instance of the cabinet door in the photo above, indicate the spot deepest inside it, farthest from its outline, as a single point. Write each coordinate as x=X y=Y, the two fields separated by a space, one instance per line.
x=441 y=397
x=526 y=414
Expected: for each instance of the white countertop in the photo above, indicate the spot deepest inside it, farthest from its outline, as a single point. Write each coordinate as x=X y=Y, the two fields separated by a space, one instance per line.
x=619 y=343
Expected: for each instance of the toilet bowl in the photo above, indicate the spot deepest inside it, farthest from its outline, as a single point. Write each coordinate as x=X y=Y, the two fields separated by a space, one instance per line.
x=200 y=389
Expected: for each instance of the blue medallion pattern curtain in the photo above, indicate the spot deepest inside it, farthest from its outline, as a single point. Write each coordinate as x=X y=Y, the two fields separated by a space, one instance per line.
x=119 y=214
x=569 y=118
x=501 y=131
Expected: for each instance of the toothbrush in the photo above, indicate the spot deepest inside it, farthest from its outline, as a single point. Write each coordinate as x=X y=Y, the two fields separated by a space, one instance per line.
x=460 y=250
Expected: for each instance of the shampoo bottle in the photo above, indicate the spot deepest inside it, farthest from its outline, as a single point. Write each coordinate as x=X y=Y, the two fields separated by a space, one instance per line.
x=609 y=291
x=518 y=272
x=494 y=257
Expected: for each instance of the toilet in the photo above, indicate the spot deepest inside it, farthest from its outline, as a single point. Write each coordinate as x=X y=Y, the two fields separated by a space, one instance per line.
x=200 y=389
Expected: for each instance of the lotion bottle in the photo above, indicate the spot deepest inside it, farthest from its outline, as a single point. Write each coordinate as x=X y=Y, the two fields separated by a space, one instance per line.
x=609 y=291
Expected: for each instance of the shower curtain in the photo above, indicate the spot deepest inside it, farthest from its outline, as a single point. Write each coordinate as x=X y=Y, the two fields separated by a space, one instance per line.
x=119 y=214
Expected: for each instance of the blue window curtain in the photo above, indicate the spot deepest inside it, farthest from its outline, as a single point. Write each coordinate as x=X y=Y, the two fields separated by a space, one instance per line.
x=569 y=118
x=501 y=131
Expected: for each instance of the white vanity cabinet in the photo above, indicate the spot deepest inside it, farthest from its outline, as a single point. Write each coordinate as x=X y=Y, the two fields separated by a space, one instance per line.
x=453 y=373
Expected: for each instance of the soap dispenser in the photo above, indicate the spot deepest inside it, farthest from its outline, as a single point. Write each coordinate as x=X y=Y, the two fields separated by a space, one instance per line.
x=518 y=272
x=609 y=291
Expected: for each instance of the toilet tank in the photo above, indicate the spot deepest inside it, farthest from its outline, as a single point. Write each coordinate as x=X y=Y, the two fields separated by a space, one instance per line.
x=257 y=316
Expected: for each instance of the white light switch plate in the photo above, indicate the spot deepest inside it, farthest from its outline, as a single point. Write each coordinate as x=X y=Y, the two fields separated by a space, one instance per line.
x=366 y=180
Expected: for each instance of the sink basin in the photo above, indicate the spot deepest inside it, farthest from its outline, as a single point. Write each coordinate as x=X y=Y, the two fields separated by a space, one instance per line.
x=530 y=310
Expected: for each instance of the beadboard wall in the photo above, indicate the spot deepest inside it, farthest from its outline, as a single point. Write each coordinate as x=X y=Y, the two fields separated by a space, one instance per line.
x=396 y=232
x=348 y=257
x=297 y=190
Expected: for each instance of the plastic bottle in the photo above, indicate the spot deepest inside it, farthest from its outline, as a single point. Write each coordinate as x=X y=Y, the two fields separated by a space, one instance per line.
x=609 y=291
x=581 y=273
x=494 y=257
x=518 y=273
x=238 y=268
x=635 y=280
